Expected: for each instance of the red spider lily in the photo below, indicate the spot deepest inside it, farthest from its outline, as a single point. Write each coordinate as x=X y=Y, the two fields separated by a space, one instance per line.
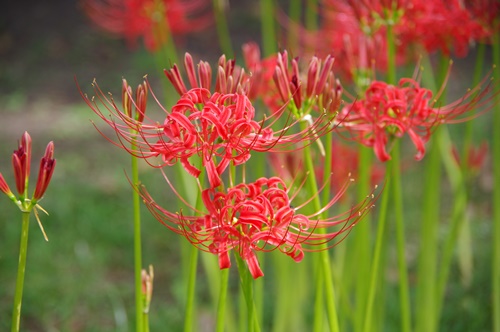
x=261 y=71
x=219 y=128
x=388 y=112
x=315 y=88
x=476 y=155
x=440 y=17
x=486 y=12
x=151 y=19
x=21 y=160
x=321 y=91
x=354 y=33
x=257 y=217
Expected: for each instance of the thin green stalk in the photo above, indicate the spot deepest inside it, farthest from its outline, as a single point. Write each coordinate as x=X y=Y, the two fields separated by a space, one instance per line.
x=221 y=308
x=268 y=27
x=318 y=302
x=294 y=12
x=404 y=294
x=21 y=268
x=224 y=276
x=377 y=254
x=243 y=314
x=145 y=319
x=191 y=279
x=136 y=201
x=427 y=314
x=312 y=14
x=360 y=253
x=323 y=255
x=247 y=287
x=191 y=287
x=496 y=188
x=460 y=199
x=284 y=298
x=427 y=260
x=398 y=196
x=391 y=55
x=258 y=165
x=222 y=30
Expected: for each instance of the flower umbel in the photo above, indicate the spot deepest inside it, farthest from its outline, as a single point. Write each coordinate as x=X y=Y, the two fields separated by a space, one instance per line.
x=217 y=127
x=388 y=112
x=254 y=217
x=150 y=19
x=21 y=159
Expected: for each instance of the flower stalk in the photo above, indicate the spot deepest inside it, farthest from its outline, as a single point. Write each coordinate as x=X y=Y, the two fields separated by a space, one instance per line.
x=21 y=162
x=23 y=250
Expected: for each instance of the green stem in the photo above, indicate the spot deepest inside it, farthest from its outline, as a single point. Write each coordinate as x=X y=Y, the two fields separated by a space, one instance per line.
x=496 y=188
x=398 y=196
x=427 y=260
x=193 y=264
x=247 y=286
x=268 y=19
x=294 y=12
x=377 y=254
x=191 y=287
x=460 y=199
x=404 y=294
x=318 y=302
x=391 y=55
x=224 y=278
x=222 y=30
x=21 y=268
x=360 y=253
x=145 y=319
x=323 y=256
x=221 y=308
x=139 y=305
x=312 y=14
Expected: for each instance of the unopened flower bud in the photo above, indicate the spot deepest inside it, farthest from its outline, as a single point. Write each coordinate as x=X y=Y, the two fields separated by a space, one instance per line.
x=47 y=165
x=21 y=159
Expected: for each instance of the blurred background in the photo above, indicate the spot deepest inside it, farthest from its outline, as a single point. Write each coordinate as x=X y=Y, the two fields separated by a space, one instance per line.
x=82 y=279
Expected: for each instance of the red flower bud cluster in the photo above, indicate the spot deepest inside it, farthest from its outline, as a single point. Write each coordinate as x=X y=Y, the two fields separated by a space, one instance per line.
x=21 y=160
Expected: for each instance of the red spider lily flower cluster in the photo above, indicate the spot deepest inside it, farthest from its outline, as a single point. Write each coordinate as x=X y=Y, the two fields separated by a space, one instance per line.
x=254 y=217
x=313 y=89
x=210 y=128
x=150 y=19
x=21 y=160
x=486 y=12
x=355 y=32
x=219 y=127
x=441 y=17
x=387 y=112
x=476 y=155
